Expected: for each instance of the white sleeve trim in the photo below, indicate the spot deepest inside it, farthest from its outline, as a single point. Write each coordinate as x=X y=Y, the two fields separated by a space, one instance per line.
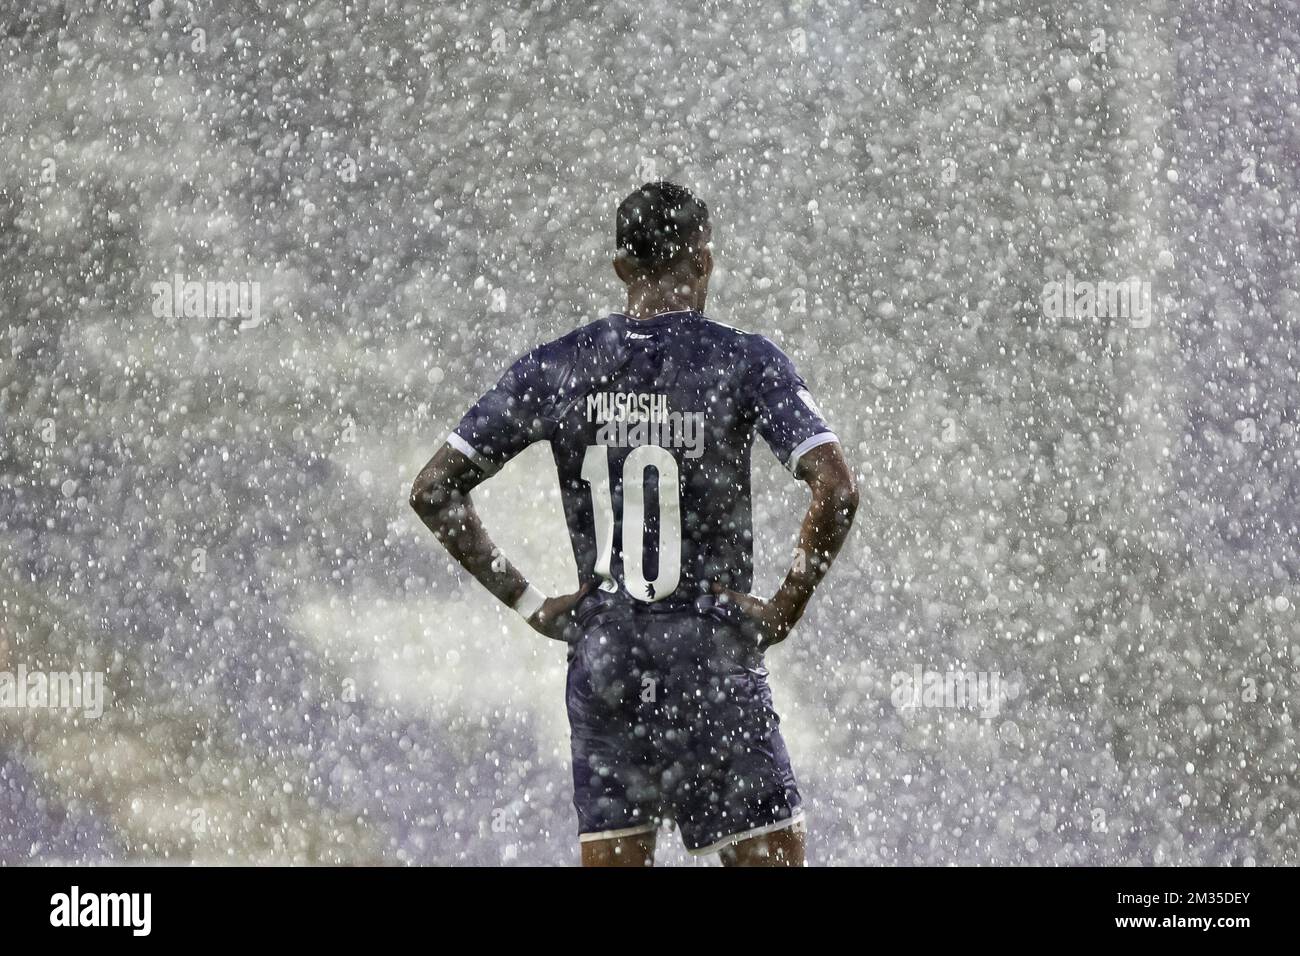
x=807 y=445
x=472 y=453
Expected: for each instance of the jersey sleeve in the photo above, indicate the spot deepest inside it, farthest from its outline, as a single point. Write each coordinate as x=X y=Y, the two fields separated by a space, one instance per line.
x=785 y=413
x=512 y=415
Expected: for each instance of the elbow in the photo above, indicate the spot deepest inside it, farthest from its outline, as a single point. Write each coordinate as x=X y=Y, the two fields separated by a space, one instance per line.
x=418 y=500
x=844 y=499
x=428 y=498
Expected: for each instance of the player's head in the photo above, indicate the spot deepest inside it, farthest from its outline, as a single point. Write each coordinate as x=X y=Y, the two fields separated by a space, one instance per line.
x=663 y=232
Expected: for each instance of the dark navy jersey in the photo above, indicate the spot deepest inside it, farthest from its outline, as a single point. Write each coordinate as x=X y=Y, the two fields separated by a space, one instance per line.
x=650 y=423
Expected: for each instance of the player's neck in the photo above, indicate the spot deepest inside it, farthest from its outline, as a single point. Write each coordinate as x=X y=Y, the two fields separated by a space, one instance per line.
x=647 y=302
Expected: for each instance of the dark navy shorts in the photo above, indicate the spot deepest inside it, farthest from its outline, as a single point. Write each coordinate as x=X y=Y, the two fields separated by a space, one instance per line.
x=671 y=717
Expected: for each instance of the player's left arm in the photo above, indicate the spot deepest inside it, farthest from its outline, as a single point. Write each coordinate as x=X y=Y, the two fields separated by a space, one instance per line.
x=825 y=526
x=441 y=497
x=792 y=424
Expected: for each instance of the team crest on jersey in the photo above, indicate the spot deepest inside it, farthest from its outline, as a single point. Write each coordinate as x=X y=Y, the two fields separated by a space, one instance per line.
x=629 y=419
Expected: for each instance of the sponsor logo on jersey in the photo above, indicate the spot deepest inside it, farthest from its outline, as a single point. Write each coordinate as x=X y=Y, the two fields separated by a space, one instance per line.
x=807 y=398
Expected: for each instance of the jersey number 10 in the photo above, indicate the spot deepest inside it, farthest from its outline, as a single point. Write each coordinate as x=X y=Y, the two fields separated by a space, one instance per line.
x=595 y=472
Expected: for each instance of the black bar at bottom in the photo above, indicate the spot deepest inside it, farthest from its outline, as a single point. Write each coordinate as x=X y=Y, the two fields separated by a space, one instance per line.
x=332 y=907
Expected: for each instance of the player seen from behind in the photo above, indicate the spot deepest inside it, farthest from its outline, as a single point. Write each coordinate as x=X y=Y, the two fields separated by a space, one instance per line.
x=650 y=415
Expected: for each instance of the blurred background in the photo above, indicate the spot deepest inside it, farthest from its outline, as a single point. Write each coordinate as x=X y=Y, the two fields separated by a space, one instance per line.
x=208 y=506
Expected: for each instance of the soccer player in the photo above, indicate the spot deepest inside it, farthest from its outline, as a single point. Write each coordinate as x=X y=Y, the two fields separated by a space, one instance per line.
x=650 y=415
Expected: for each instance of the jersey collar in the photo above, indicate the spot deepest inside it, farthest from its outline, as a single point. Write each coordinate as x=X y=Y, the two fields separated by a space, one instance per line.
x=658 y=320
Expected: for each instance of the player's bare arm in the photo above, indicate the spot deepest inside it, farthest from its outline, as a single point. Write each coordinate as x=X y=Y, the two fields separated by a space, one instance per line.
x=825 y=526
x=441 y=497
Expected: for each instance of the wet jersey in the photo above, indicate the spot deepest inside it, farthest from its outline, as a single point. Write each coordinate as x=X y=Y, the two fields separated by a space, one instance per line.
x=650 y=423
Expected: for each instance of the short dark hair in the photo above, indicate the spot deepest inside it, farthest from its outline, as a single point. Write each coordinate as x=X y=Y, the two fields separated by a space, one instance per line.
x=658 y=222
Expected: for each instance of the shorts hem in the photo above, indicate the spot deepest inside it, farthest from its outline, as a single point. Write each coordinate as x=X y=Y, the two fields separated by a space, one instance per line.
x=796 y=818
x=615 y=834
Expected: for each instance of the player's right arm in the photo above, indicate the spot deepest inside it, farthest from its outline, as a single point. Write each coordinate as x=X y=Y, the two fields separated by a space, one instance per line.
x=792 y=425
x=441 y=497
x=507 y=419
x=825 y=526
